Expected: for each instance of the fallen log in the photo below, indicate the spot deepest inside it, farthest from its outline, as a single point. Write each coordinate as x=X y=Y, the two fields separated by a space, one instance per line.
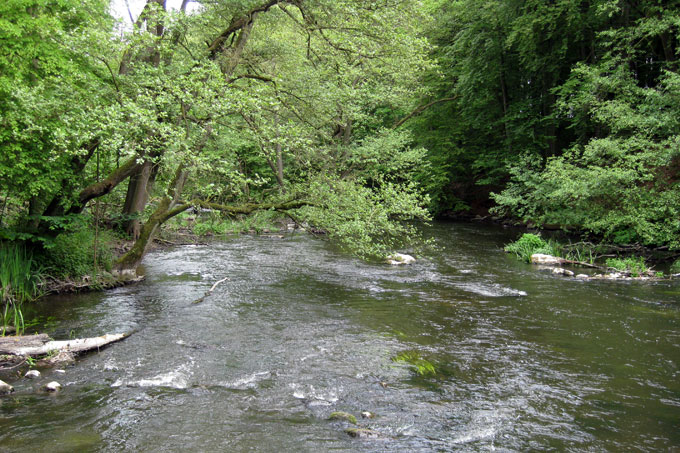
x=40 y=345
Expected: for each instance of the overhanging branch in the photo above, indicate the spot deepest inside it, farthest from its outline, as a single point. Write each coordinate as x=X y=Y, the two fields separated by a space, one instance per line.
x=421 y=109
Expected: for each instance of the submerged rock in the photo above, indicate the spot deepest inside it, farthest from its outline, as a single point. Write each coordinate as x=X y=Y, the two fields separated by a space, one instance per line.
x=53 y=386
x=32 y=374
x=343 y=416
x=5 y=388
x=362 y=433
x=539 y=258
x=400 y=258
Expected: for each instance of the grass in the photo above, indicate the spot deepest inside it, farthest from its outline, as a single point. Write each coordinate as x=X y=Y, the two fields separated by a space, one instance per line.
x=19 y=283
x=530 y=244
x=634 y=264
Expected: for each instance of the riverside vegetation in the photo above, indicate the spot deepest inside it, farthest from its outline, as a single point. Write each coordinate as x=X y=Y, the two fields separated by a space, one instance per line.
x=351 y=117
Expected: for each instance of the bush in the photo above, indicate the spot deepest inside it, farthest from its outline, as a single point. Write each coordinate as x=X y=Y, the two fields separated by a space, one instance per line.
x=72 y=254
x=529 y=244
x=675 y=267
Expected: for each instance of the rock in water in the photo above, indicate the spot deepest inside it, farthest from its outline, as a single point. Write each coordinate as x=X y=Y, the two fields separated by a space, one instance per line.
x=5 y=388
x=343 y=416
x=362 y=433
x=32 y=374
x=560 y=271
x=539 y=258
x=366 y=414
x=52 y=386
x=400 y=258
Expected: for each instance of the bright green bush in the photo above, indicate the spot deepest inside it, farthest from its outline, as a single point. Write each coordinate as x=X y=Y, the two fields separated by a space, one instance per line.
x=72 y=255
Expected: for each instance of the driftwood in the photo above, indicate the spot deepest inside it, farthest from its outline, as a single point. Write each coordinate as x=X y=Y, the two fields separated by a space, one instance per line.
x=69 y=286
x=40 y=345
x=207 y=293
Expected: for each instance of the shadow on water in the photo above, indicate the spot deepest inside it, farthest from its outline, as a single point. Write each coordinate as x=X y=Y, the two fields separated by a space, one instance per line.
x=520 y=359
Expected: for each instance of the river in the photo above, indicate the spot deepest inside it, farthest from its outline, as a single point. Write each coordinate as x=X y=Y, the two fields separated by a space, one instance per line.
x=524 y=360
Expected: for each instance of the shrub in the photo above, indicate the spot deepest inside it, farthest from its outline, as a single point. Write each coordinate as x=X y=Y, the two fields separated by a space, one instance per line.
x=72 y=254
x=675 y=267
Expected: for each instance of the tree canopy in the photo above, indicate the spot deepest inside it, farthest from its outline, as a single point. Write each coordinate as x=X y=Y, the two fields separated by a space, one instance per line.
x=351 y=116
x=260 y=102
x=564 y=113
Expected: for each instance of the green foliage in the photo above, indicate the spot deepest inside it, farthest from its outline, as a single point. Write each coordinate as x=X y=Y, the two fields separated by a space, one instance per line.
x=675 y=267
x=416 y=363
x=368 y=221
x=635 y=265
x=567 y=112
x=72 y=254
x=19 y=282
x=218 y=225
x=529 y=244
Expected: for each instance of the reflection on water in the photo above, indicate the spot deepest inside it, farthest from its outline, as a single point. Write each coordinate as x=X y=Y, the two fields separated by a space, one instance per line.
x=524 y=360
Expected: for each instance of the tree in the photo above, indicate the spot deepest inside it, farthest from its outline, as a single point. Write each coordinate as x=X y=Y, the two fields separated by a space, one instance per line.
x=223 y=105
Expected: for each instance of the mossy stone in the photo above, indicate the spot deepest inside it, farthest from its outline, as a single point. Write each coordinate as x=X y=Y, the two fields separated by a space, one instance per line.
x=343 y=416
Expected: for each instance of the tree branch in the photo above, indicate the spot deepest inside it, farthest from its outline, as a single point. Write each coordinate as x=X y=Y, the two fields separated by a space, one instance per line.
x=106 y=185
x=215 y=47
x=421 y=109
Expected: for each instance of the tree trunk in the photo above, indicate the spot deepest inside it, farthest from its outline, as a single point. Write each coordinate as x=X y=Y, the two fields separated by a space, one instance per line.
x=126 y=266
x=139 y=187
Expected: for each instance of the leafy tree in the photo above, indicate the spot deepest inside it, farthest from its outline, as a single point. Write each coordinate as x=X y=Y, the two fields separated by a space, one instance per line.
x=240 y=106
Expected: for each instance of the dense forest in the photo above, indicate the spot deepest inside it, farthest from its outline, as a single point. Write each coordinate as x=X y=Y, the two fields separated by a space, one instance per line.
x=350 y=117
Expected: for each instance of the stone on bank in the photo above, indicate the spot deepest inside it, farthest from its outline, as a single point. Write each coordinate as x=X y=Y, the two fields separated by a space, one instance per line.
x=400 y=258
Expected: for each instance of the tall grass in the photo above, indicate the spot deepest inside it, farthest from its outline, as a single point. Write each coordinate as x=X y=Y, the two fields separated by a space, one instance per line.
x=19 y=283
x=529 y=244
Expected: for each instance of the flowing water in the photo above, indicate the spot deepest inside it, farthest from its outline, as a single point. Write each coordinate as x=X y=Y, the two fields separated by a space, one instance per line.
x=523 y=360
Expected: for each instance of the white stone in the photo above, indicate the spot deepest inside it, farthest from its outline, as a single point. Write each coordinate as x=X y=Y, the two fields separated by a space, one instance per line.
x=581 y=276
x=366 y=414
x=60 y=371
x=539 y=258
x=52 y=386
x=32 y=374
x=5 y=388
x=561 y=271
x=400 y=258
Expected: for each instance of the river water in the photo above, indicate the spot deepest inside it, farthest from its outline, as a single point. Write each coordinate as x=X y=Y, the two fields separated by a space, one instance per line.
x=523 y=360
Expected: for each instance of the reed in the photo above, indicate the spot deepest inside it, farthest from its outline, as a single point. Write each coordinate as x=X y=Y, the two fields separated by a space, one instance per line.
x=19 y=283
